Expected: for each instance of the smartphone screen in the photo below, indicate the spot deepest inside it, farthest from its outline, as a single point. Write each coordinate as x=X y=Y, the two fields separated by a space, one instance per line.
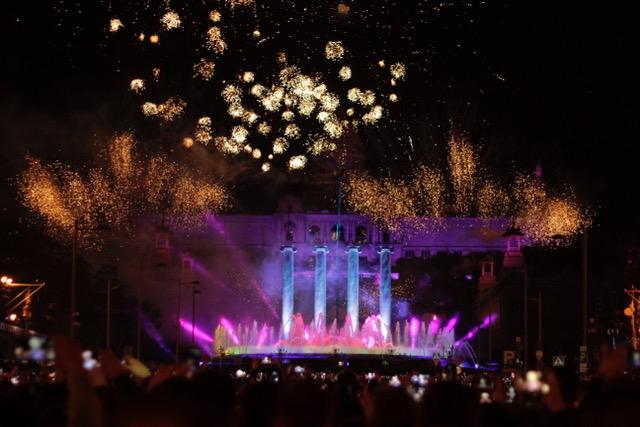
x=635 y=359
x=88 y=362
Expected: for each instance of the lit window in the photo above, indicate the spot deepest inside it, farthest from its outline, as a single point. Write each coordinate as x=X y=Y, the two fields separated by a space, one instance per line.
x=315 y=234
x=362 y=236
x=337 y=233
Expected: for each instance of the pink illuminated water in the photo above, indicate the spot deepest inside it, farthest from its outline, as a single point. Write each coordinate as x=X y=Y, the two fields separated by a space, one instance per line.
x=411 y=337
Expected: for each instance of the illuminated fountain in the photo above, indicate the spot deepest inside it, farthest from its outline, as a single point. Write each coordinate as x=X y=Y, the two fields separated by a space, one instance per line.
x=419 y=337
x=412 y=337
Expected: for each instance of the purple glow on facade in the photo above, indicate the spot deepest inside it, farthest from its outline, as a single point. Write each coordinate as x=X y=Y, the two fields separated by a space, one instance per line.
x=239 y=257
x=238 y=264
x=207 y=274
x=213 y=222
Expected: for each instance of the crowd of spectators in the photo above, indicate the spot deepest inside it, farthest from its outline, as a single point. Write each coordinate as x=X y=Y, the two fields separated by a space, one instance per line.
x=128 y=393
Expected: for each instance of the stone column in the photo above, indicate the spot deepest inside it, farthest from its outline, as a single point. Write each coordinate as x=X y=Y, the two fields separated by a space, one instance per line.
x=385 y=290
x=287 y=289
x=353 y=285
x=320 y=296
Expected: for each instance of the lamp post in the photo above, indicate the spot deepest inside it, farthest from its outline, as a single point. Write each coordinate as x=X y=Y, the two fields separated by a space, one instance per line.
x=193 y=313
x=584 y=351
x=23 y=298
x=516 y=233
x=108 y=326
x=72 y=303
x=74 y=262
x=525 y=358
x=180 y=285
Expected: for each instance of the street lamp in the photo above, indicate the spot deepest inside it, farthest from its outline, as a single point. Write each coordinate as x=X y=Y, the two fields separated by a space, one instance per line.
x=514 y=232
x=23 y=298
x=180 y=285
x=193 y=314
x=139 y=305
x=74 y=262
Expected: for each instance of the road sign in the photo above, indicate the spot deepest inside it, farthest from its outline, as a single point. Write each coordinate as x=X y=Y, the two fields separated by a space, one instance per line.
x=509 y=357
x=583 y=360
x=559 y=360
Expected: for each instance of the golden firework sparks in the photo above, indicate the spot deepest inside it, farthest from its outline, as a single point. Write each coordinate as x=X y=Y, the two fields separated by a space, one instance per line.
x=288 y=115
x=239 y=134
x=387 y=202
x=547 y=219
x=493 y=200
x=41 y=193
x=280 y=145
x=137 y=85
x=345 y=73
x=115 y=24
x=258 y=90
x=373 y=115
x=323 y=116
x=429 y=185
x=354 y=94
x=264 y=128
x=215 y=16
x=214 y=40
x=154 y=39
x=367 y=98
x=168 y=111
x=235 y=3
x=171 y=20
x=463 y=165
x=121 y=159
x=226 y=145
x=249 y=116
x=297 y=162
x=398 y=71
x=192 y=198
x=319 y=145
x=236 y=111
x=329 y=101
x=204 y=69
x=333 y=128
x=149 y=109
x=334 y=50
x=343 y=8
x=203 y=131
x=248 y=76
x=232 y=94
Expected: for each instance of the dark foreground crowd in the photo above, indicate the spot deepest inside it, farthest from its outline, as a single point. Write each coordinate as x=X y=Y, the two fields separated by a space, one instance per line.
x=113 y=393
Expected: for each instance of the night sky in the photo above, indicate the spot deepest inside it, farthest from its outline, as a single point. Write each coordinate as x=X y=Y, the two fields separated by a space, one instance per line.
x=526 y=83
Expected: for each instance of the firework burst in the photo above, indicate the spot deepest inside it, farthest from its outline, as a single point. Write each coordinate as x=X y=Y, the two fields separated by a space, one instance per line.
x=120 y=188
